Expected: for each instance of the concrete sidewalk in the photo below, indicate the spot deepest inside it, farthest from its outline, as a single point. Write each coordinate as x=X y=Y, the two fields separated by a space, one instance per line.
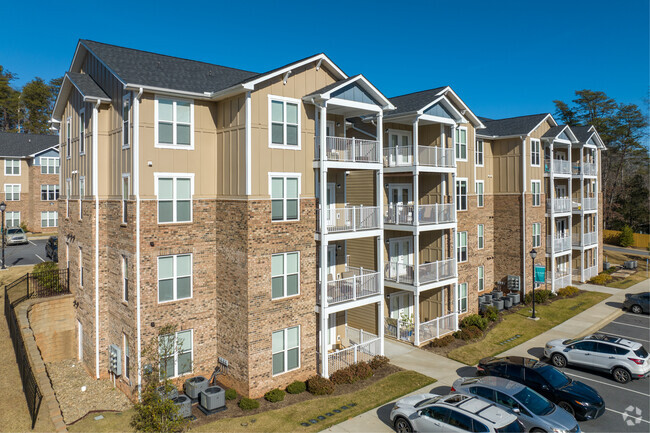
x=446 y=371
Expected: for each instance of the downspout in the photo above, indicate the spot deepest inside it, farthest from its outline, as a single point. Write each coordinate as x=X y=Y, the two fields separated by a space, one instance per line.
x=523 y=216
x=248 y=144
x=136 y=190
x=96 y=194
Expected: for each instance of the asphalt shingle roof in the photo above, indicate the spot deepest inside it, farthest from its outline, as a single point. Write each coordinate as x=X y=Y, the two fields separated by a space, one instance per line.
x=512 y=125
x=86 y=85
x=22 y=145
x=554 y=131
x=414 y=101
x=582 y=133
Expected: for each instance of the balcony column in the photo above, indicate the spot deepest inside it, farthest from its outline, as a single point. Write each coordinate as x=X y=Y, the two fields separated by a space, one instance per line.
x=380 y=304
x=416 y=318
x=324 y=330
x=322 y=131
x=416 y=259
x=380 y=135
x=570 y=218
x=416 y=198
x=416 y=142
x=455 y=306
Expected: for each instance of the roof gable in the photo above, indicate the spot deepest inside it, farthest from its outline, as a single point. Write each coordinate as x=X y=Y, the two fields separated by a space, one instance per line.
x=438 y=110
x=354 y=92
x=515 y=126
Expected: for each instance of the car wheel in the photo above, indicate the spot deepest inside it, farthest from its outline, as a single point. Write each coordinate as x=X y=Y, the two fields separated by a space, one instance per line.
x=537 y=430
x=621 y=375
x=566 y=406
x=558 y=360
x=636 y=309
x=402 y=425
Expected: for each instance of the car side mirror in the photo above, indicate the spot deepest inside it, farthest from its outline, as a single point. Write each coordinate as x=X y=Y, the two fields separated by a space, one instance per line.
x=545 y=387
x=419 y=413
x=516 y=410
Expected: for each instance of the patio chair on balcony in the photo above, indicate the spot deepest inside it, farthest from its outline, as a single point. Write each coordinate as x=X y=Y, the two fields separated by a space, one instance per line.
x=426 y=214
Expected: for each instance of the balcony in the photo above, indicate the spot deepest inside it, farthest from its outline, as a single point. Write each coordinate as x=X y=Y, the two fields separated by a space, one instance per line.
x=585 y=274
x=559 y=166
x=343 y=149
x=562 y=279
x=589 y=168
x=558 y=244
x=400 y=214
x=363 y=346
x=405 y=330
x=588 y=239
x=427 y=272
x=588 y=203
x=558 y=205
x=428 y=156
x=351 y=218
x=355 y=283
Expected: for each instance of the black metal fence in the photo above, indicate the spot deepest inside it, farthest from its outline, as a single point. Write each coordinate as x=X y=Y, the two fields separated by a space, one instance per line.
x=35 y=285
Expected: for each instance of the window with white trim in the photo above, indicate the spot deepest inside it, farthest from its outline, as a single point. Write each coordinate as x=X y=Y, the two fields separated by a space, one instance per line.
x=82 y=131
x=286 y=350
x=125 y=279
x=479 y=193
x=481 y=278
x=462 y=298
x=49 y=218
x=461 y=194
x=82 y=194
x=12 y=219
x=535 y=152
x=461 y=144
x=537 y=235
x=125 y=198
x=285 y=192
x=284 y=122
x=176 y=353
x=461 y=247
x=12 y=167
x=81 y=268
x=175 y=123
x=12 y=192
x=478 y=153
x=126 y=117
x=536 y=190
x=68 y=191
x=49 y=165
x=68 y=137
x=285 y=275
x=49 y=192
x=174 y=277
x=481 y=236
x=127 y=356
x=174 y=198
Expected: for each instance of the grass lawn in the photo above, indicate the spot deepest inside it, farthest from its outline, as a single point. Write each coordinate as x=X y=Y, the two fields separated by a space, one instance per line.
x=618 y=258
x=288 y=418
x=517 y=323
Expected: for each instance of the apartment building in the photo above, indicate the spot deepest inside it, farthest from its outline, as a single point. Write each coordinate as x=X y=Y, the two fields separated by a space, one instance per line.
x=30 y=180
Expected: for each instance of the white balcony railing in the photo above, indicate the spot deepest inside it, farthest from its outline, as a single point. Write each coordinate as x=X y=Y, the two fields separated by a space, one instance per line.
x=589 y=169
x=559 y=166
x=398 y=214
x=433 y=156
x=399 y=272
x=588 y=239
x=356 y=283
x=428 y=272
x=398 y=329
x=562 y=279
x=351 y=355
x=438 y=327
x=559 y=244
x=589 y=203
x=398 y=156
x=428 y=214
x=343 y=149
x=351 y=218
x=558 y=205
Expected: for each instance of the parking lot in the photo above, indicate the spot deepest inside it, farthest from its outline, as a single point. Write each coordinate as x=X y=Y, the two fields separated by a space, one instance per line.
x=31 y=253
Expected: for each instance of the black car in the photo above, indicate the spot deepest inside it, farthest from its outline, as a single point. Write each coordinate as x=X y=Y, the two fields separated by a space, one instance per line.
x=637 y=302
x=580 y=400
x=52 y=248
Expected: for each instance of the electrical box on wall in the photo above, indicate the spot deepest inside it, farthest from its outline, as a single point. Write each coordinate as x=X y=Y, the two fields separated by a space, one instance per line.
x=115 y=360
x=513 y=283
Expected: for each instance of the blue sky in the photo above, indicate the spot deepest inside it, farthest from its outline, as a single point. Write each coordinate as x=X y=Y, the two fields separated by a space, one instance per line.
x=504 y=58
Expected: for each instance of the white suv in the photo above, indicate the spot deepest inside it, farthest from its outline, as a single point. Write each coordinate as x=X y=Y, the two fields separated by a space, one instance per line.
x=624 y=359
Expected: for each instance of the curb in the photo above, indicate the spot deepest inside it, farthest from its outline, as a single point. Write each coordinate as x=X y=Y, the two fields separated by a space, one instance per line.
x=603 y=321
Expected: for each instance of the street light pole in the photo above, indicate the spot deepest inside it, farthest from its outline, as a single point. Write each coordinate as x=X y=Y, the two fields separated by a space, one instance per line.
x=3 y=207
x=533 y=254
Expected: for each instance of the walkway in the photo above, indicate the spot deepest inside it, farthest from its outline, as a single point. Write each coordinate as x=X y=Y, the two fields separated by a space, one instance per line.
x=638 y=252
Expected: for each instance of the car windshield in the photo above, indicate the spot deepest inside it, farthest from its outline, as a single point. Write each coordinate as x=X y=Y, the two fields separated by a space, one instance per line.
x=571 y=341
x=514 y=427
x=556 y=378
x=641 y=352
x=534 y=402
x=427 y=401
x=14 y=231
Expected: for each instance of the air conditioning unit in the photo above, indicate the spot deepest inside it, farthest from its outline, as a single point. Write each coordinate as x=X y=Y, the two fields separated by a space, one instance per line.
x=194 y=386
x=184 y=404
x=213 y=398
x=171 y=393
x=115 y=360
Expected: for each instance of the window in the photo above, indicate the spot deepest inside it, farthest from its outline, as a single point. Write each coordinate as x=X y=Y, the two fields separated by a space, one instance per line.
x=286 y=350
x=68 y=190
x=462 y=298
x=82 y=132
x=285 y=190
x=12 y=219
x=478 y=153
x=534 y=152
x=460 y=421
x=481 y=236
x=125 y=279
x=126 y=117
x=125 y=197
x=174 y=277
x=49 y=192
x=49 y=165
x=479 y=193
x=12 y=192
x=12 y=167
x=481 y=278
x=535 y=188
x=81 y=268
x=486 y=393
x=68 y=138
x=285 y=275
x=284 y=121
x=461 y=194
x=461 y=144
x=49 y=218
x=82 y=194
x=176 y=352
x=537 y=235
x=438 y=413
x=461 y=247
x=127 y=357
x=175 y=198
x=175 y=123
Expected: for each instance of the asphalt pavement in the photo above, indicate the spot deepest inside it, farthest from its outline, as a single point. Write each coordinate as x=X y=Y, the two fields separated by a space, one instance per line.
x=31 y=253
x=627 y=250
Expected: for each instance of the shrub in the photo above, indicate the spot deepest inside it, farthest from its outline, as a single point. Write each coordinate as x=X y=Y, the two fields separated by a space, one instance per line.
x=343 y=376
x=45 y=267
x=541 y=296
x=231 y=394
x=362 y=370
x=318 y=385
x=274 y=395
x=23 y=226
x=601 y=279
x=491 y=313
x=474 y=320
x=568 y=291
x=626 y=238
x=442 y=341
x=469 y=333
x=378 y=362
x=248 y=403
x=296 y=387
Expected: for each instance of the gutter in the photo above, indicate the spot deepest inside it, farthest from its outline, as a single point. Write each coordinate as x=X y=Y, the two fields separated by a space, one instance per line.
x=95 y=165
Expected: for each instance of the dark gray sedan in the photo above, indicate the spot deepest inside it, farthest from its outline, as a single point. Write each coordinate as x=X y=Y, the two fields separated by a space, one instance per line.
x=637 y=302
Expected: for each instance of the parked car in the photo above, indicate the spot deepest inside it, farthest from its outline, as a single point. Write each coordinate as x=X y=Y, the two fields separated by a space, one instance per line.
x=637 y=302
x=15 y=236
x=451 y=413
x=52 y=249
x=535 y=412
x=580 y=400
x=623 y=359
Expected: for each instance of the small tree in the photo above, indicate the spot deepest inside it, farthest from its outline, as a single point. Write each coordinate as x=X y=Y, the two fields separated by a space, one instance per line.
x=155 y=412
x=627 y=237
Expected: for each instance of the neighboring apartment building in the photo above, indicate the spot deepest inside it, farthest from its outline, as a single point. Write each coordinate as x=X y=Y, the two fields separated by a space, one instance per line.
x=192 y=196
x=30 y=180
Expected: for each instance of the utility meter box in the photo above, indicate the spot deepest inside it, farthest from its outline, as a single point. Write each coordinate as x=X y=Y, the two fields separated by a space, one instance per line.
x=115 y=360
x=513 y=283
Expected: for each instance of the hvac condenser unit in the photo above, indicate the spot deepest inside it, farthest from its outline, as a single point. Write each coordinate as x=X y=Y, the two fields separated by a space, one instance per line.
x=184 y=404
x=194 y=386
x=213 y=398
x=172 y=392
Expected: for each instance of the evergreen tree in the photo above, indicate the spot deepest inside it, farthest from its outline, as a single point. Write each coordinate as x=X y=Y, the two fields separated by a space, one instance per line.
x=627 y=237
x=36 y=100
x=9 y=102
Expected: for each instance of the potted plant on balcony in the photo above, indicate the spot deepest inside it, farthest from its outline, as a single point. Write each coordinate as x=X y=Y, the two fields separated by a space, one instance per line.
x=407 y=323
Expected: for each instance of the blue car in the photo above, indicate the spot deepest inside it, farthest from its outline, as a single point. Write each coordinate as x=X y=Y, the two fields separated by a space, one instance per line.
x=637 y=302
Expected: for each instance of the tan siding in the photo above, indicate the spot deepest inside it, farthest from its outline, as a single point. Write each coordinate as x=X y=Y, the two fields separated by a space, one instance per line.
x=364 y=318
x=361 y=188
x=431 y=304
x=507 y=166
x=362 y=252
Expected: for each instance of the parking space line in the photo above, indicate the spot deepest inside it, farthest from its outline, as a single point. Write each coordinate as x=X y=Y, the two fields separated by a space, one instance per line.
x=32 y=243
x=628 y=415
x=624 y=336
x=608 y=384
x=39 y=257
x=627 y=324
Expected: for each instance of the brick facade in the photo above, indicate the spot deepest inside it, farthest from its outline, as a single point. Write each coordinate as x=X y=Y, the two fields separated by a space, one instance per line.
x=35 y=203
